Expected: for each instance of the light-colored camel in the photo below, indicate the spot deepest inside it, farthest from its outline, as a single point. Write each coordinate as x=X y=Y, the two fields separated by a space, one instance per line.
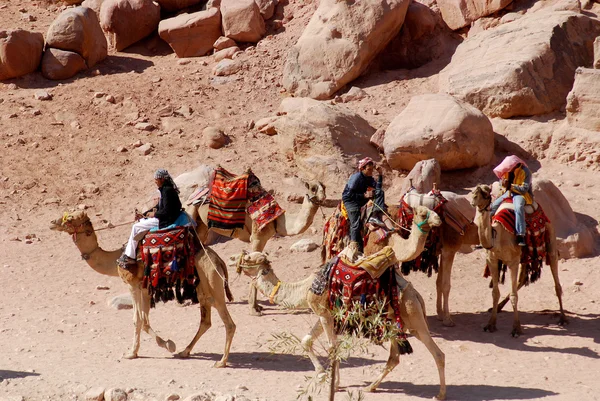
x=501 y=245
x=299 y=295
x=285 y=225
x=211 y=291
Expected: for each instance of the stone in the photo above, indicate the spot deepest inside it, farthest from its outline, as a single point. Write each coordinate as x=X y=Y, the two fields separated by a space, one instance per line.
x=42 y=95
x=577 y=282
x=583 y=102
x=116 y=18
x=242 y=20
x=456 y=134
x=93 y=4
x=265 y=125
x=226 y=53
x=267 y=8
x=190 y=181
x=377 y=139
x=227 y=67
x=192 y=35
x=20 y=52
x=61 y=64
x=122 y=301
x=204 y=396
x=78 y=30
x=351 y=34
x=523 y=68
x=223 y=43
x=460 y=13
x=145 y=149
x=304 y=245
x=214 y=137
x=172 y=397
x=597 y=52
x=94 y=394
x=353 y=94
x=145 y=126
x=115 y=394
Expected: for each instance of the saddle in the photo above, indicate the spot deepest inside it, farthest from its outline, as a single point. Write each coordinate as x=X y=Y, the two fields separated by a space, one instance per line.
x=168 y=256
x=509 y=205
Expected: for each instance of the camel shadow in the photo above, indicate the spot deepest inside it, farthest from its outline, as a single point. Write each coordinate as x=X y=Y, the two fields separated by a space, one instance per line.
x=465 y=392
x=275 y=362
x=535 y=324
x=13 y=374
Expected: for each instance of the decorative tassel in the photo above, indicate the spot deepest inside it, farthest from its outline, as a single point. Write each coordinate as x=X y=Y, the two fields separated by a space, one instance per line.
x=404 y=347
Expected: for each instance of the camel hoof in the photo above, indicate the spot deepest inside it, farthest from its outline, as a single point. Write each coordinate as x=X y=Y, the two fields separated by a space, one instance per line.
x=516 y=332
x=182 y=355
x=563 y=321
x=449 y=323
x=490 y=328
x=129 y=356
x=220 y=364
x=171 y=347
x=254 y=312
x=370 y=389
x=440 y=396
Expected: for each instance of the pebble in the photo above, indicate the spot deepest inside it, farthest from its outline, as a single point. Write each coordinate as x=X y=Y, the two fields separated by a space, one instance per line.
x=145 y=127
x=183 y=61
x=577 y=282
x=42 y=95
x=145 y=149
x=121 y=149
x=94 y=394
x=102 y=287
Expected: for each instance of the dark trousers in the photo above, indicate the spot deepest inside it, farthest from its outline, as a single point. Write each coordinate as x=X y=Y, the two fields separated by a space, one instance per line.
x=355 y=227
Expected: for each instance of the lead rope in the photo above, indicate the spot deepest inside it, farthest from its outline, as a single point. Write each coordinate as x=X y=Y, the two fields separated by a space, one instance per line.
x=390 y=217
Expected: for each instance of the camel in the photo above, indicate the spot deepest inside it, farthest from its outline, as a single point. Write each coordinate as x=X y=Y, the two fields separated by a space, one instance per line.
x=285 y=225
x=211 y=291
x=501 y=245
x=299 y=295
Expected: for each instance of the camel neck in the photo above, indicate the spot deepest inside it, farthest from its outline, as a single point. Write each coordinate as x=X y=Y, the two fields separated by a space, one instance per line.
x=288 y=224
x=484 y=227
x=103 y=262
x=408 y=249
x=290 y=295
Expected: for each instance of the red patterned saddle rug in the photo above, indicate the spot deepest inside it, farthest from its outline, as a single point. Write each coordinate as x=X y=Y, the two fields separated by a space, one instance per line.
x=264 y=210
x=336 y=234
x=228 y=199
x=534 y=254
x=427 y=261
x=351 y=288
x=169 y=261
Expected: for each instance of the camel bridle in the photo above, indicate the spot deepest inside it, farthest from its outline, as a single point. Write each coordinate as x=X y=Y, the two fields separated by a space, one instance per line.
x=87 y=229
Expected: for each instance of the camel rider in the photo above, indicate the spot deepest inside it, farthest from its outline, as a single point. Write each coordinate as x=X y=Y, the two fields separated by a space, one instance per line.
x=162 y=215
x=515 y=177
x=361 y=187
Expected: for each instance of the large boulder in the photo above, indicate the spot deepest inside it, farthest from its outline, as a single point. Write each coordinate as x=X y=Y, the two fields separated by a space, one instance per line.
x=176 y=5
x=78 y=30
x=242 y=21
x=522 y=68
x=61 y=64
x=128 y=21
x=20 y=52
x=575 y=240
x=583 y=102
x=267 y=7
x=94 y=5
x=460 y=13
x=192 y=35
x=338 y=44
x=455 y=133
x=325 y=141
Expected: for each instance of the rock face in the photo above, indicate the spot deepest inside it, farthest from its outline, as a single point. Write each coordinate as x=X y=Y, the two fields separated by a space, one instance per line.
x=176 y=5
x=597 y=52
x=94 y=5
x=583 y=102
x=242 y=21
x=117 y=18
x=78 y=30
x=61 y=64
x=460 y=13
x=574 y=239
x=192 y=35
x=522 y=68
x=20 y=52
x=325 y=141
x=455 y=133
x=351 y=34
x=267 y=7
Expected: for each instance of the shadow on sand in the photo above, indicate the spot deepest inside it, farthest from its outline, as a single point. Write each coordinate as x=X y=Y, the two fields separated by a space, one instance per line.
x=13 y=374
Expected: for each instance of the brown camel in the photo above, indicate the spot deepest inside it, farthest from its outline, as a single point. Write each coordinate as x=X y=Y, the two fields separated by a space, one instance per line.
x=211 y=269
x=299 y=295
x=502 y=246
x=285 y=225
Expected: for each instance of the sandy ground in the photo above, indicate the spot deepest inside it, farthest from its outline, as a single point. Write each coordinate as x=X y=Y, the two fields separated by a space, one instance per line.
x=59 y=337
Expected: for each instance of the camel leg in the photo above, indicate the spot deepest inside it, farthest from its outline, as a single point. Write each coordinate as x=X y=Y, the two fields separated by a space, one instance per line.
x=307 y=344
x=522 y=277
x=257 y=244
x=493 y=265
x=392 y=362
x=327 y=323
x=424 y=336
x=221 y=307
x=137 y=322
x=205 y=323
x=553 y=251
x=443 y=284
x=145 y=318
x=514 y=299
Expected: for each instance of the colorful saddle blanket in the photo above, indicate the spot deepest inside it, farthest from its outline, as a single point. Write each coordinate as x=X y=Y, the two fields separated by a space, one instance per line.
x=229 y=197
x=336 y=233
x=354 y=292
x=169 y=261
x=264 y=210
x=534 y=254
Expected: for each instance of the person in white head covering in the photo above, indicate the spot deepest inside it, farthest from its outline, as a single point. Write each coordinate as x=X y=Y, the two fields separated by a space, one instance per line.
x=166 y=211
x=361 y=187
x=515 y=177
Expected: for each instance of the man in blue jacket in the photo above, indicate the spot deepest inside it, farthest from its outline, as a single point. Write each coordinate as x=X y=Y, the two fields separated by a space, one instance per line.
x=361 y=187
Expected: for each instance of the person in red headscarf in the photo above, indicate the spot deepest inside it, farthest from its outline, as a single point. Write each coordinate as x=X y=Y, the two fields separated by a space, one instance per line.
x=361 y=187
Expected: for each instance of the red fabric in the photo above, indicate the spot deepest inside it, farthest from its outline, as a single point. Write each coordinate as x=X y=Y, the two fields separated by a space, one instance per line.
x=228 y=199
x=335 y=231
x=264 y=210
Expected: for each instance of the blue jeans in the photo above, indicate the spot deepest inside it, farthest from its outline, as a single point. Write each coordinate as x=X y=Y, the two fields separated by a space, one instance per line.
x=519 y=203
x=355 y=227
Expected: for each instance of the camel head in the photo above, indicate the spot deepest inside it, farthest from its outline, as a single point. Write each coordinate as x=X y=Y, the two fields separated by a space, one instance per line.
x=316 y=192
x=71 y=222
x=481 y=197
x=425 y=219
x=251 y=264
